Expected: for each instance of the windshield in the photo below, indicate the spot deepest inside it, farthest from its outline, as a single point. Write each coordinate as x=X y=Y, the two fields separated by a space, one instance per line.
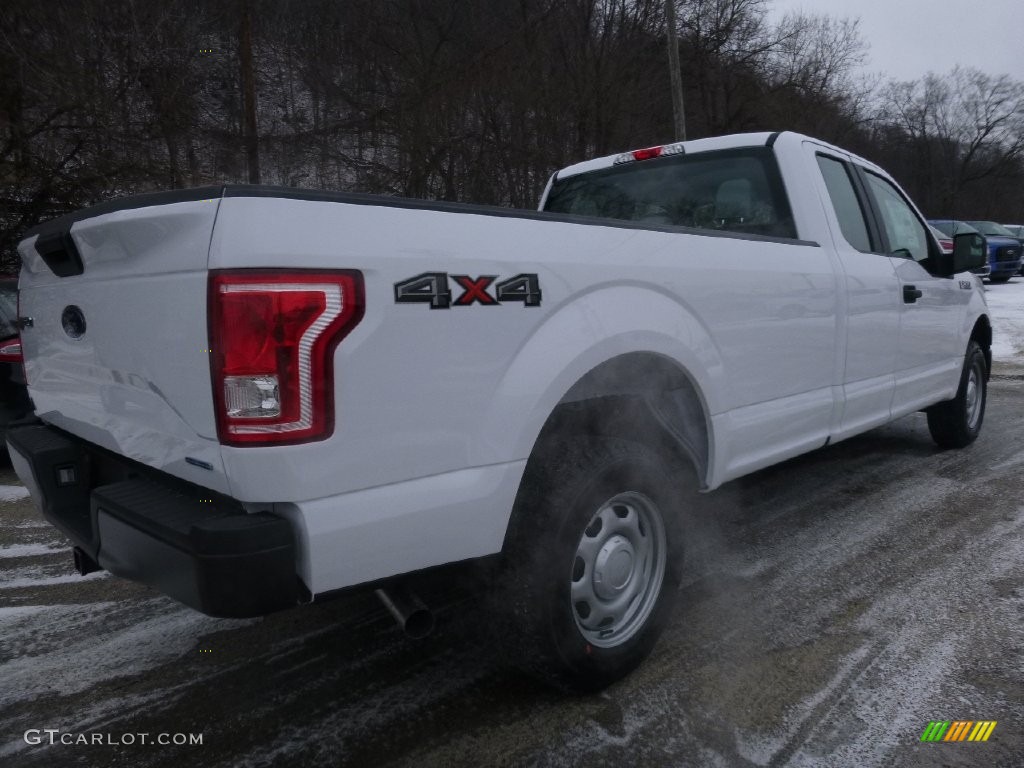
x=732 y=190
x=991 y=228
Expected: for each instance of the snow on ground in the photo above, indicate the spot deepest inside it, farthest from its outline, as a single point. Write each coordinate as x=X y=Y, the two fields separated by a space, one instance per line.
x=37 y=580
x=30 y=550
x=13 y=492
x=1006 y=303
x=109 y=644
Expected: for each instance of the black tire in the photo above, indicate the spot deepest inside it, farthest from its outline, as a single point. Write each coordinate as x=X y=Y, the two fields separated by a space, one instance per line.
x=999 y=279
x=957 y=423
x=569 y=491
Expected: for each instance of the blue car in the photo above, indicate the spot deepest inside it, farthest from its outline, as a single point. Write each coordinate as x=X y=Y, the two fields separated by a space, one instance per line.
x=1017 y=230
x=1004 y=250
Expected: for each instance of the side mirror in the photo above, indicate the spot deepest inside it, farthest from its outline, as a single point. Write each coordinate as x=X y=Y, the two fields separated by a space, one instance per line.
x=970 y=251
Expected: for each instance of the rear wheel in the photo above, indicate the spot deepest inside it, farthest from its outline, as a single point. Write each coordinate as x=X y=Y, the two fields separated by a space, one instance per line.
x=957 y=422
x=592 y=562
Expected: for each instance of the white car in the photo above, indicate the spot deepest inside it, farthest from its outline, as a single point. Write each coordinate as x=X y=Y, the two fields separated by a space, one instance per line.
x=252 y=397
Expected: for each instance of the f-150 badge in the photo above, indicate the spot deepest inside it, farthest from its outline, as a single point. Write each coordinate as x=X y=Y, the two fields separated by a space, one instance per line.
x=433 y=288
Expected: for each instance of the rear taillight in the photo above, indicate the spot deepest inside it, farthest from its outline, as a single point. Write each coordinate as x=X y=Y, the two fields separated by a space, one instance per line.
x=272 y=340
x=10 y=351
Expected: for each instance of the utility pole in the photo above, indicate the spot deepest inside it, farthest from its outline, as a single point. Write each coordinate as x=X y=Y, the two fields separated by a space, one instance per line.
x=250 y=136
x=675 y=77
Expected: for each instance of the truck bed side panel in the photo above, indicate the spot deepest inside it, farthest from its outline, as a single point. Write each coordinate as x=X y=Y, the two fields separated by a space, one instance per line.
x=137 y=379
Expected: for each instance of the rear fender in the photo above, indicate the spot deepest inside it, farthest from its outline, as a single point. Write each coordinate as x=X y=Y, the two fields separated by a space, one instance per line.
x=603 y=325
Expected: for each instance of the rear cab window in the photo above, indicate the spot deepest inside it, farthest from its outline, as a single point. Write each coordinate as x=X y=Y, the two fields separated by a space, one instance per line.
x=735 y=190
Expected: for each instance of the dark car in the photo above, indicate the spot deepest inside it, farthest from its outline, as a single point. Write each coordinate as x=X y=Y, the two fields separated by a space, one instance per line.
x=1004 y=250
x=1006 y=247
x=14 y=402
x=1017 y=230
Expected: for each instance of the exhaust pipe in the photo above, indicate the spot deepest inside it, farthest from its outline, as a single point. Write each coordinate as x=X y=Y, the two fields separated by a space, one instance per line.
x=412 y=615
x=83 y=563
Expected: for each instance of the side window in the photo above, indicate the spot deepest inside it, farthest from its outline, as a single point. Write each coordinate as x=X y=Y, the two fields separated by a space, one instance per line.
x=844 y=201
x=906 y=233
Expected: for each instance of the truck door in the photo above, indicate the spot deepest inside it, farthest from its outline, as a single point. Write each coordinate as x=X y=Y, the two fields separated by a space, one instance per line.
x=933 y=308
x=869 y=326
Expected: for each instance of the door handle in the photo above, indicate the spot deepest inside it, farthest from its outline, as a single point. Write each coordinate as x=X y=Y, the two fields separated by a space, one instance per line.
x=911 y=294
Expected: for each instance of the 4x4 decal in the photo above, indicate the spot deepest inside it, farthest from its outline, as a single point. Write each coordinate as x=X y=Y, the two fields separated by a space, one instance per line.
x=432 y=288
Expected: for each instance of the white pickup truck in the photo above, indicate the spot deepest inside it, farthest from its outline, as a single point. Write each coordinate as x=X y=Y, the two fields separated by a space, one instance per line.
x=251 y=397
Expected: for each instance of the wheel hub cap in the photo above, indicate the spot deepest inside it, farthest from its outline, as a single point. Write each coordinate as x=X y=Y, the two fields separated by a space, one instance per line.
x=614 y=567
x=618 y=569
x=972 y=400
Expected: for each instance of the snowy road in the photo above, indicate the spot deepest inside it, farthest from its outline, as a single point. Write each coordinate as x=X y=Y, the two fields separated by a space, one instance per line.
x=834 y=605
x=1006 y=303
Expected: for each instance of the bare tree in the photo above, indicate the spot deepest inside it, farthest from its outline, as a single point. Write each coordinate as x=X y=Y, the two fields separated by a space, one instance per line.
x=446 y=99
x=964 y=130
x=675 y=77
x=815 y=60
x=250 y=132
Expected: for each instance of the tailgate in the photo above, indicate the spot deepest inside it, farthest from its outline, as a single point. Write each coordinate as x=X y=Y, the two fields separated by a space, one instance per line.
x=116 y=351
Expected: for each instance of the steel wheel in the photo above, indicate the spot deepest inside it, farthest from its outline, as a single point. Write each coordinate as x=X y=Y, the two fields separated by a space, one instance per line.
x=592 y=561
x=972 y=398
x=618 y=569
x=956 y=423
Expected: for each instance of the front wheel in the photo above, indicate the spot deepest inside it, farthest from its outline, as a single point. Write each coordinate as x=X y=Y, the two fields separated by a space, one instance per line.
x=592 y=561
x=956 y=423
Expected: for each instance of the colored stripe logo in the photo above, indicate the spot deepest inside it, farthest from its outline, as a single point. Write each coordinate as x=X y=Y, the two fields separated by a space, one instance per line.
x=958 y=730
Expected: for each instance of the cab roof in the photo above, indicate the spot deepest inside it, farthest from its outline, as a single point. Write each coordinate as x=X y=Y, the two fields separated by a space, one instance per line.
x=711 y=144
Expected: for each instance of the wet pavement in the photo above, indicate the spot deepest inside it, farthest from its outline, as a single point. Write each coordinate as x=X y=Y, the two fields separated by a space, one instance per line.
x=834 y=605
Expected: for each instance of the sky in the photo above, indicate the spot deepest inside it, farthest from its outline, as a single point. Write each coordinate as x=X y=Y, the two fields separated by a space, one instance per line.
x=909 y=38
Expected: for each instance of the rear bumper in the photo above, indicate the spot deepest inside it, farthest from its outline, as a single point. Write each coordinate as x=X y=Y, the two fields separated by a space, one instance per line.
x=195 y=546
x=14 y=400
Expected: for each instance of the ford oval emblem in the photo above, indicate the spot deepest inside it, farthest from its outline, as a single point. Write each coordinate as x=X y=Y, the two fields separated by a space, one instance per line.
x=73 y=322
